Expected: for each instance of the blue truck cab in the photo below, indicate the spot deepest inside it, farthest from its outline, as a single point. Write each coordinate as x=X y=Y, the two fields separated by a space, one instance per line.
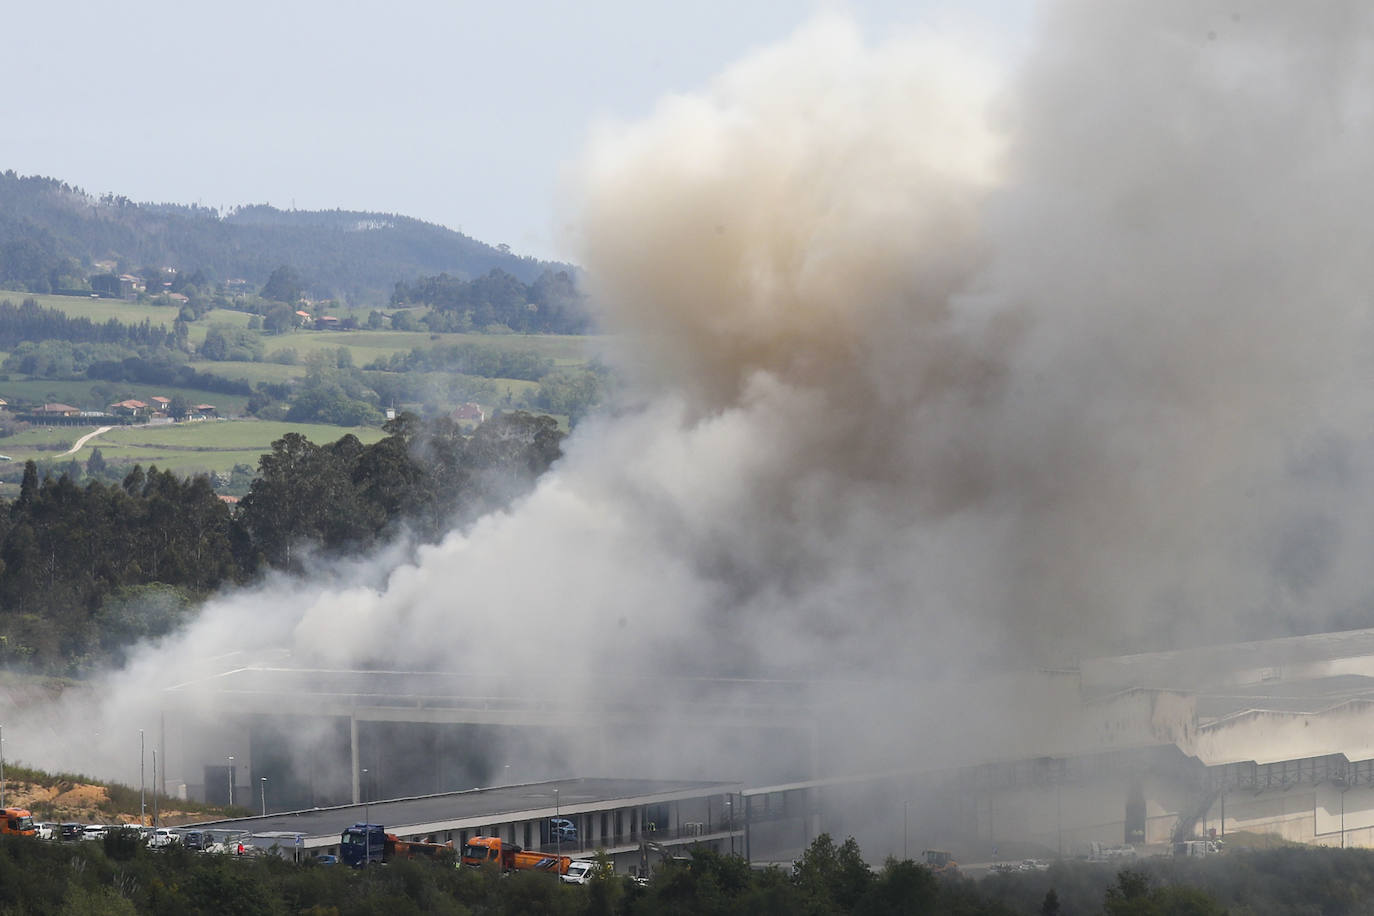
x=362 y=844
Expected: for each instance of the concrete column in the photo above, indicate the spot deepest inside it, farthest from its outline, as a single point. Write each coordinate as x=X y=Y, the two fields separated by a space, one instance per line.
x=353 y=752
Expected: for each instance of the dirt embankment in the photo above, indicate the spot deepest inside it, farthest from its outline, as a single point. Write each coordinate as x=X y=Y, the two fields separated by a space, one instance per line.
x=81 y=802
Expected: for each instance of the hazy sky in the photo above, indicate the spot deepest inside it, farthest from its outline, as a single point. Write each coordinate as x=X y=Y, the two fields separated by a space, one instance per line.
x=459 y=113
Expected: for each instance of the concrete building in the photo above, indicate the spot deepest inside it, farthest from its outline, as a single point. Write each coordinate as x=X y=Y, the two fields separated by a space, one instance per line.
x=1272 y=737
x=635 y=821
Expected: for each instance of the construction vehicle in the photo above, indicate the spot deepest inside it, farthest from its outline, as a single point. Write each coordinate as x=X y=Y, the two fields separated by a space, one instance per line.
x=940 y=862
x=483 y=850
x=18 y=821
x=362 y=844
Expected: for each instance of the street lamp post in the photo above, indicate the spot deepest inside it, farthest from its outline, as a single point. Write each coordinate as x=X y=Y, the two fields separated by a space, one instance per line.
x=1059 y=814
x=364 y=788
x=231 y=781
x=906 y=853
x=142 y=802
x=2 y=766
x=1344 y=789
x=557 y=828
x=154 y=787
x=730 y=822
x=264 y=796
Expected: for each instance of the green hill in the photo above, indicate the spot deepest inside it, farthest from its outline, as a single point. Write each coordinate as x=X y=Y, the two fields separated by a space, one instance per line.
x=51 y=235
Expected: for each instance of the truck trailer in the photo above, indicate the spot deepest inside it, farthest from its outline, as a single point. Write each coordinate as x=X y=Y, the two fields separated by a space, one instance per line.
x=362 y=844
x=483 y=850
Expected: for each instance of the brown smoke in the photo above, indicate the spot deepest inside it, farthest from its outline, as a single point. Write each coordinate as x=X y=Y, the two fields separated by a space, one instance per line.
x=1039 y=366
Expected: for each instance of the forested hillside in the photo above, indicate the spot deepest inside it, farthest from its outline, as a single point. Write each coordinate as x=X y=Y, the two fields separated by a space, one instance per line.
x=88 y=570
x=52 y=233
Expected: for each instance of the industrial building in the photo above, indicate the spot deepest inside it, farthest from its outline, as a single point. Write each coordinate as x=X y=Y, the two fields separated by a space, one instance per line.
x=1273 y=737
x=635 y=821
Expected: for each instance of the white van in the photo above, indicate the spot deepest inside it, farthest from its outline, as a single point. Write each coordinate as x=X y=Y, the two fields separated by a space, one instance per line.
x=579 y=872
x=163 y=837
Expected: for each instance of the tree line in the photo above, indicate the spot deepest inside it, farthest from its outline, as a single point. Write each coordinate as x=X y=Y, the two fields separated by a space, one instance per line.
x=88 y=570
x=551 y=304
x=469 y=359
x=121 y=876
x=30 y=321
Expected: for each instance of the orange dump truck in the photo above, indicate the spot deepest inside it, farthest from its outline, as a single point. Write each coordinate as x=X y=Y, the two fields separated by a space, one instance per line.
x=481 y=850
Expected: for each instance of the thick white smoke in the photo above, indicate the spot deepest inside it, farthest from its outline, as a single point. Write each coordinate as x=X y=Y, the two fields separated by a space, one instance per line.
x=935 y=367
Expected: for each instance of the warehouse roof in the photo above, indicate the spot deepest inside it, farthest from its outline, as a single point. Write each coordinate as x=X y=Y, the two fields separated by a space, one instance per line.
x=477 y=808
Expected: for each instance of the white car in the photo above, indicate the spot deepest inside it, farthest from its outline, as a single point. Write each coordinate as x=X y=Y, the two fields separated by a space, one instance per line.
x=579 y=872
x=45 y=830
x=163 y=837
x=94 y=832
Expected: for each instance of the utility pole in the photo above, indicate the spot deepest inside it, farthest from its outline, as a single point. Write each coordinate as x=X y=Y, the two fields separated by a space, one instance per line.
x=154 y=787
x=142 y=802
x=264 y=796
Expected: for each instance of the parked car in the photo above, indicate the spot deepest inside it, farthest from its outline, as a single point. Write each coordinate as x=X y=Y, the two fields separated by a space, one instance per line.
x=194 y=839
x=45 y=830
x=69 y=831
x=579 y=872
x=326 y=860
x=94 y=832
x=163 y=837
x=562 y=830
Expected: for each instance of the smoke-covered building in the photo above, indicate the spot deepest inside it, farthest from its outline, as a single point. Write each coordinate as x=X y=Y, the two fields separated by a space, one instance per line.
x=637 y=822
x=1270 y=737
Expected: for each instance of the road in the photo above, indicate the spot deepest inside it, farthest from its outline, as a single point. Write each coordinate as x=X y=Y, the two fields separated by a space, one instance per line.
x=83 y=440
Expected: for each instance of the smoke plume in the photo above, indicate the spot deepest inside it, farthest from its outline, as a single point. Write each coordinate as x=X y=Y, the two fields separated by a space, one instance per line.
x=936 y=367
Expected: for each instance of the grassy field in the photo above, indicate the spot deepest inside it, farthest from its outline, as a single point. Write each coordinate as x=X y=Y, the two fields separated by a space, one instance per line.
x=564 y=350
x=441 y=390
x=211 y=445
x=99 y=310
x=368 y=345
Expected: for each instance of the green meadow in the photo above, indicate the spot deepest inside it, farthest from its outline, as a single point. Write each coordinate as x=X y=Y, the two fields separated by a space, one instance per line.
x=219 y=445
x=99 y=310
x=190 y=447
